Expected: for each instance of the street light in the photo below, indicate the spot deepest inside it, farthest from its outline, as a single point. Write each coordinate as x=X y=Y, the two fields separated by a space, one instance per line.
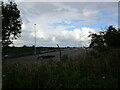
x=35 y=40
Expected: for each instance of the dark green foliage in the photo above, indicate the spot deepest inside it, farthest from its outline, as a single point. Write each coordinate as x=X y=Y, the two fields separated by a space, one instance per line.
x=99 y=71
x=112 y=37
x=11 y=23
x=97 y=40
x=109 y=38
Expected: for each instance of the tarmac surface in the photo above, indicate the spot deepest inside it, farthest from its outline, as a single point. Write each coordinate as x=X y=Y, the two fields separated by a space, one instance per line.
x=72 y=53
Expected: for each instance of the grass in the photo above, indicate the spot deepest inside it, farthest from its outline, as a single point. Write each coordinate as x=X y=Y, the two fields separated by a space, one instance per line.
x=96 y=71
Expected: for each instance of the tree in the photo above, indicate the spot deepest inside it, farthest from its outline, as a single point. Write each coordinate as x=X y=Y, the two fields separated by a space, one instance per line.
x=110 y=38
x=97 y=40
x=11 y=23
x=24 y=46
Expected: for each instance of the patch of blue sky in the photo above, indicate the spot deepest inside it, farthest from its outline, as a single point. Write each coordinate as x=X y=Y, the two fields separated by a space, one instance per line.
x=62 y=23
x=76 y=20
x=100 y=25
x=31 y=16
x=104 y=18
x=97 y=27
x=113 y=19
x=106 y=12
x=67 y=22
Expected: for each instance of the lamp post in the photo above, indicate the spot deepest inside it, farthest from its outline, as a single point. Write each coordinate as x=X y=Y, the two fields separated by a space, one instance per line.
x=35 y=40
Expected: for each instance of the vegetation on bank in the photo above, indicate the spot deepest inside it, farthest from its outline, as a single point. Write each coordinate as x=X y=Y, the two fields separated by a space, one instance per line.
x=101 y=70
x=95 y=71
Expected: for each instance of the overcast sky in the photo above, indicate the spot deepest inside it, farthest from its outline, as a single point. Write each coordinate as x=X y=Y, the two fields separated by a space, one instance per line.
x=64 y=23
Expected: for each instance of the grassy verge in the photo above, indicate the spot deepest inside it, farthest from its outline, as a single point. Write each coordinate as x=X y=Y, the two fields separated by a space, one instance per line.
x=98 y=71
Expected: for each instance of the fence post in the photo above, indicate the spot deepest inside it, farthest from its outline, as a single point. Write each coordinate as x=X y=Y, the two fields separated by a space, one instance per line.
x=60 y=51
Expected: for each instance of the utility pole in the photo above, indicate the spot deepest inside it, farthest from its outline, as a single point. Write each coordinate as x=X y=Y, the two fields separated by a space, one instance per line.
x=35 y=40
x=60 y=51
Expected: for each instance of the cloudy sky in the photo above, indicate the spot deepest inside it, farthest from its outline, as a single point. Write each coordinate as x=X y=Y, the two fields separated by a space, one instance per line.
x=64 y=23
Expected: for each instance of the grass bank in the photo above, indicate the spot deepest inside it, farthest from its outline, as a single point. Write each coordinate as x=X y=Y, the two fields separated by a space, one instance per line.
x=96 y=71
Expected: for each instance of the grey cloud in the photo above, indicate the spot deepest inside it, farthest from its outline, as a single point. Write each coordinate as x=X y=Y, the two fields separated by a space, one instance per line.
x=45 y=13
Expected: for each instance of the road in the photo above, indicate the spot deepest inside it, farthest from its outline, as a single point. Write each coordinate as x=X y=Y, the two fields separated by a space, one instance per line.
x=72 y=53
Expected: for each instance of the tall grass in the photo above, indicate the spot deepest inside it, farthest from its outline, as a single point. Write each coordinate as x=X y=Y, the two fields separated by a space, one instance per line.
x=97 y=71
